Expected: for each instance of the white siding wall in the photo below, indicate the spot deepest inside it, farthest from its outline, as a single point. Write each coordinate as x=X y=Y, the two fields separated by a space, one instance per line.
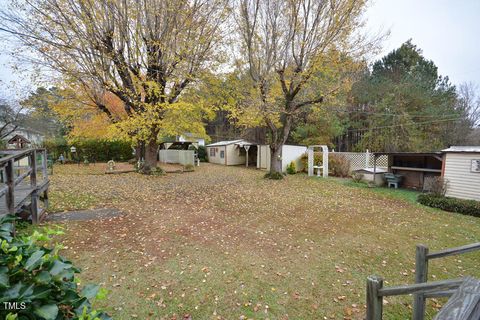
x=292 y=153
x=216 y=157
x=183 y=157
x=289 y=153
x=233 y=155
x=263 y=157
x=462 y=183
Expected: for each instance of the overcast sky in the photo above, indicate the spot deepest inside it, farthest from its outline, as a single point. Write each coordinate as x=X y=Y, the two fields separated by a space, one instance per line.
x=448 y=32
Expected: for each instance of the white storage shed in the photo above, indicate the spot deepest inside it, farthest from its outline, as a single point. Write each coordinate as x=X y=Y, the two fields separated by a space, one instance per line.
x=461 y=169
x=231 y=152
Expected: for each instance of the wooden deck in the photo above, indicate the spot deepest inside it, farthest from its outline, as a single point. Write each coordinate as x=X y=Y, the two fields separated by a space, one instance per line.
x=24 y=182
x=23 y=193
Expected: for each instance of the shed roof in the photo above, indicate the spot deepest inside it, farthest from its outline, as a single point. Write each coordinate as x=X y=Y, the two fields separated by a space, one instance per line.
x=224 y=143
x=18 y=137
x=470 y=149
x=408 y=153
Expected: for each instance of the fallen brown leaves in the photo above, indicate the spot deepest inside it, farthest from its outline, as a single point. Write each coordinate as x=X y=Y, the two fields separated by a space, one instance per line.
x=223 y=243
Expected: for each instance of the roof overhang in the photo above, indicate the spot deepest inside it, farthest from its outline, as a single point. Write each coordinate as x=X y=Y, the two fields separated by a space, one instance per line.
x=408 y=154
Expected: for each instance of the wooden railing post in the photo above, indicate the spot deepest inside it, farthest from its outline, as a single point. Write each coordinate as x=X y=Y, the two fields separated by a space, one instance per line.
x=33 y=184
x=374 y=300
x=33 y=166
x=10 y=196
x=421 y=276
x=44 y=165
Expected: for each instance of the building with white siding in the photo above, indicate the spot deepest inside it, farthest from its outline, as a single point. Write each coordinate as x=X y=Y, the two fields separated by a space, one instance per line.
x=461 y=170
x=290 y=153
x=232 y=152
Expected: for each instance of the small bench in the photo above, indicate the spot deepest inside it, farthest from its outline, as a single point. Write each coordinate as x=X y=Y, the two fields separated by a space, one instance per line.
x=393 y=179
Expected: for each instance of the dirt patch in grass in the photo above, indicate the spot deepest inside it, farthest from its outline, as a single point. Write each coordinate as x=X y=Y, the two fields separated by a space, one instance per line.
x=223 y=242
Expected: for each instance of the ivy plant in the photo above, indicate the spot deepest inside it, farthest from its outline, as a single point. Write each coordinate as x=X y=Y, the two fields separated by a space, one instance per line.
x=37 y=283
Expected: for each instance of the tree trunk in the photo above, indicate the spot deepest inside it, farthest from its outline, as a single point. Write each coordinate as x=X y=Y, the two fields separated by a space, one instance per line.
x=151 y=151
x=276 y=159
x=140 y=151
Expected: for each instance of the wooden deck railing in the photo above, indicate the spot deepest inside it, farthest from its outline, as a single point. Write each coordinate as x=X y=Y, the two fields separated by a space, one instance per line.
x=16 y=190
x=421 y=290
x=422 y=257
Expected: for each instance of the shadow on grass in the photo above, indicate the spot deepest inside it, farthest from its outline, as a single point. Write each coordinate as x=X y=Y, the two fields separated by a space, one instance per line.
x=402 y=194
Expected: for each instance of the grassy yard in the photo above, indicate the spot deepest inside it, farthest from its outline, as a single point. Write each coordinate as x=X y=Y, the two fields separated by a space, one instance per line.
x=223 y=243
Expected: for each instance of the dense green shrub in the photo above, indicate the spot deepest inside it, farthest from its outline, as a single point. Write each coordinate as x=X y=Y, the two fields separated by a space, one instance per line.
x=292 y=168
x=273 y=175
x=39 y=281
x=56 y=147
x=95 y=150
x=468 y=207
x=202 y=153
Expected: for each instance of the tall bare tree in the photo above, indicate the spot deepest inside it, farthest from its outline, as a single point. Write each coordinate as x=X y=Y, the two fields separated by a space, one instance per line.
x=290 y=48
x=144 y=51
x=10 y=118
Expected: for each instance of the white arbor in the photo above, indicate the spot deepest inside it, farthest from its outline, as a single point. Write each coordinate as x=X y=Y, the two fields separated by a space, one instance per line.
x=311 y=164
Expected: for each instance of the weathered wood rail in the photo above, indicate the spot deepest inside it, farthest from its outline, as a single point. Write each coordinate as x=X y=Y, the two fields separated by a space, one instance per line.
x=464 y=299
x=24 y=182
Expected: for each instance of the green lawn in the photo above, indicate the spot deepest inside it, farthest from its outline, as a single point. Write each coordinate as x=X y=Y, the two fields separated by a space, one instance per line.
x=223 y=243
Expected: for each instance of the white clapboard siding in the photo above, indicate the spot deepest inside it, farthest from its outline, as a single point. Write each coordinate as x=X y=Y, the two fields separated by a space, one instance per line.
x=461 y=181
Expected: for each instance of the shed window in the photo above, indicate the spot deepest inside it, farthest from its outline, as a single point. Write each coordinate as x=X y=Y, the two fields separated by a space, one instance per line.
x=222 y=154
x=476 y=165
x=212 y=152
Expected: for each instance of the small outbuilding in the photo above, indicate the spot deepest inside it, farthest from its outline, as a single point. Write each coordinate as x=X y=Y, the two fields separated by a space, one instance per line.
x=232 y=152
x=18 y=141
x=414 y=168
x=461 y=171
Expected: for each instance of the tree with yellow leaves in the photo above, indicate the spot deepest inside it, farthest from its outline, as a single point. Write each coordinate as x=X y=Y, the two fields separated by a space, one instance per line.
x=298 y=54
x=146 y=52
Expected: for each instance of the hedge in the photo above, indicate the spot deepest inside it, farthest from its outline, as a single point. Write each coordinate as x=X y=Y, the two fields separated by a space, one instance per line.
x=468 y=207
x=92 y=149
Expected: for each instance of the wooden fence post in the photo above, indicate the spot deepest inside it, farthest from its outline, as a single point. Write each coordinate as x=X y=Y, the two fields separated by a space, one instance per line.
x=11 y=187
x=33 y=167
x=421 y=276
x=44 y=165
x=33 y=184
x=374 y=300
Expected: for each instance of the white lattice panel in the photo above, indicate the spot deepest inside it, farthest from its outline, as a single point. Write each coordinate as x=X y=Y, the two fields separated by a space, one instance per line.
x=360 y=160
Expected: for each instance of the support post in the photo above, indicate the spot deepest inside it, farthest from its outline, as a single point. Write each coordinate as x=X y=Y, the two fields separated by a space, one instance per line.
x=367 y=159
x=374 y=300
x=44 y=165
x=421 y=276
x=325 y=161
x=33 y=166
x=10 y=196
x=34 y=207
x=310 y=161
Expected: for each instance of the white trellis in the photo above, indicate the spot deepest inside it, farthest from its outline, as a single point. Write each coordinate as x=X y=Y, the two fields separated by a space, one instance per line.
x=360 y=160
x=311 y=164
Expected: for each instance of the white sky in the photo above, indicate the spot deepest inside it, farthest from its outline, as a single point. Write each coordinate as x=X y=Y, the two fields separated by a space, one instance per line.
x=448 y=32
